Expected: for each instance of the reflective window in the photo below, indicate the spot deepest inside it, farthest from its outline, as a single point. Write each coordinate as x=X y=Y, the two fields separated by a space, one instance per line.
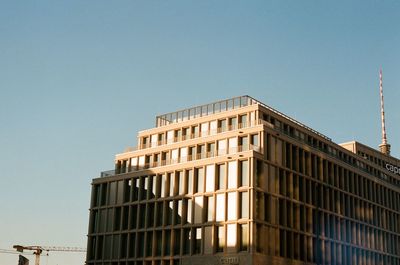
x=220 y=207
x=222 y=148
x=181 y=188
x=163 y=185
x=208 y=247
x=170 y=137
x=254 y=140
x=189 y=210
x=231 y=237
x=189 y=181
x=186 y=241
x=232 y=145
x=232 y=206
x=244 y=205
x=244 y=143
x=198 y=209
x=180 y=212
x=200 y=179
x=220 y=237
x=244 y=172
x=222 y=125
x=171 y=179
x=221 y=171
x=112 y=192
x=195 y=131
x=209 y=208
x=232 y=175
x=210 y=178
x=197 y=241
x=167 y=242
x=243 y=121
x=232 y=123
x=244 y=237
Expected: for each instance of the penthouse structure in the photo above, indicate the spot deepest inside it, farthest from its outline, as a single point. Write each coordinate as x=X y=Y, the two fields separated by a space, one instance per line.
x=238 y=182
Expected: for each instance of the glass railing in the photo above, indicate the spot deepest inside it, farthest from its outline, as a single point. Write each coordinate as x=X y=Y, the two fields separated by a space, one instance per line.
x=219 y=152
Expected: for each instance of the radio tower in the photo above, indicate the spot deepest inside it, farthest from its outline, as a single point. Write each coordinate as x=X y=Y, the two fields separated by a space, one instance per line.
x=384 y=146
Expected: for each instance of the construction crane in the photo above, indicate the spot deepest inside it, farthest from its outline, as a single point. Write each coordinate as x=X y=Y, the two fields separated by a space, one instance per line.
x=39 y=249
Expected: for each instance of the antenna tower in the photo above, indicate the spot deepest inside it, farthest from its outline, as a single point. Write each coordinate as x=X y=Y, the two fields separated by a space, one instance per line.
x=384 y=146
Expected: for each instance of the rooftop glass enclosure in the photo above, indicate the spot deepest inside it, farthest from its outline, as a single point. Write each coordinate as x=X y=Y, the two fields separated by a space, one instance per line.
x=204 y=110
x=220 y=106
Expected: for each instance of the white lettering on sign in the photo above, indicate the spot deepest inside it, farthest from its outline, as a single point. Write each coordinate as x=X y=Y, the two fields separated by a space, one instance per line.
x=229 y=260
x=391 y=168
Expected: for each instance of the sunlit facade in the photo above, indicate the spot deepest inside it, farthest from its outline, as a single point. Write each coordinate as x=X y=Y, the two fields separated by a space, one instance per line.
x=237 y=182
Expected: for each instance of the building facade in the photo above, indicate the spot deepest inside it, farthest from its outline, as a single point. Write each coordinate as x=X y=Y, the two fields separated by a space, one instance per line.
x=237 y=182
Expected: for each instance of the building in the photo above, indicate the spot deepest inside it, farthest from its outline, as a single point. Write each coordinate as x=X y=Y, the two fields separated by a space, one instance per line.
x=237 y=182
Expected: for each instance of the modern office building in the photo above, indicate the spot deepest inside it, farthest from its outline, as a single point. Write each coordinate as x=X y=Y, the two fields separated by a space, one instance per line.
x=237 y=182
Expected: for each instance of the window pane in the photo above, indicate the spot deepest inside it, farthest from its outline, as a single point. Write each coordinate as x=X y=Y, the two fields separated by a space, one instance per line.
x=220 y=239
x=232 y=175
x=200 y=180
x=254 y=139
x=198 y=209
x=189 y=210
x=210 y=178
x=208 y=247
x=244 y=234
x=220 y=207
x=232 y=145
x=180 y=212
x=177 y=241
x=244 y=173
x=181 y=189
x=222 y=125
x=197 y=241
x=190 y=181
x=221 y=176
x=231 y=237
x=210 y=208
x=171 y=178
x=167 y=242
x=158 y=243
x=112 y=192
x=243 y=121
x=232 y=206
x=244 y=207
x=186 y=241
x=163 y=186
x=222 y=149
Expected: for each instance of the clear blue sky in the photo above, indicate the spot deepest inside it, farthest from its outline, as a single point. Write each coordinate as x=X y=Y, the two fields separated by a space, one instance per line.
x=78 y=79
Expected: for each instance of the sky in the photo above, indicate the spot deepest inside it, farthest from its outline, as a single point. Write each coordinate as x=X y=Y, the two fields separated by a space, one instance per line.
x=79 y=79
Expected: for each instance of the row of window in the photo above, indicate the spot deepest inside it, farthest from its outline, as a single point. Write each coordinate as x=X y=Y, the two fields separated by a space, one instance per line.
x=198 y=130
x=304 y=162
x=331 y=150
x=286 y=213
x=228 y=238
x=292 y=245
x=189 y=153
x=155 y=261
x=220 y=207
x=340 y=204
x=209 y=178
x=287 y=184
